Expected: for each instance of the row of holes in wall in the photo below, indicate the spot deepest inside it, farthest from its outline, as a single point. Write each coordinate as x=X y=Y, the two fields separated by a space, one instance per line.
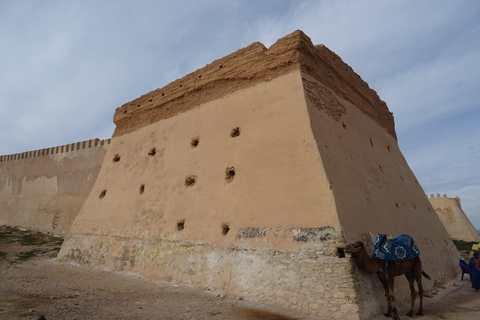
x=193 y=143
x=181 y=225
x=189 y=181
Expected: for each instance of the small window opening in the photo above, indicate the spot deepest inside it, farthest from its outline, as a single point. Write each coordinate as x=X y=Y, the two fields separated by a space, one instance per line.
x=190 y=181
x=225 y=229
x=344 y=125
x=181 y=225
x=116 y=158
x=341 y=252
x=235 y=132
x=195 y=142
x=102 y=194
x=142 y=188
x=229 y=174
x=153 y=152
x=388 y=148
x=396 y=205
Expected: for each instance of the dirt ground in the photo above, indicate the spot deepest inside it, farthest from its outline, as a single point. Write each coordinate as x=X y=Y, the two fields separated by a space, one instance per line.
x=33 y=283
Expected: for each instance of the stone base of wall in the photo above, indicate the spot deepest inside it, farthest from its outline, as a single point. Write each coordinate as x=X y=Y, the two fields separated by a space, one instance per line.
x=315 y=279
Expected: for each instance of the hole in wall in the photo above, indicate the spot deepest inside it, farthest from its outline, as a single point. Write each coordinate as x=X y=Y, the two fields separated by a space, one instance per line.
x=180 y=225
x=102 y=194
x=344 y=125
x=396 y=205
x=142 y=189
x=116 y=158
x=429 y=209
x=401 y=178
x=388 y=148
x=190 y=181
x=195 y=141
x=381 y=169
x=235 y=132
x=371 y=142
x=220 y=66
x=225 y=229
x=229 y=174
x=415 y=206
x=152 y=152
x=199 y=76
x=341 y=252
x=163 y=94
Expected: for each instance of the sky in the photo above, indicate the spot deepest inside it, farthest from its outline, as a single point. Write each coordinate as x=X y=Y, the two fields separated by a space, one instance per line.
x=65 y=66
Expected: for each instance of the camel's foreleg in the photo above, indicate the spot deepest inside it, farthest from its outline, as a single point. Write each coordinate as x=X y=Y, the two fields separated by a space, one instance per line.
x=384 y=282
x=413 y=293
x=418 y=279
x=391 y=296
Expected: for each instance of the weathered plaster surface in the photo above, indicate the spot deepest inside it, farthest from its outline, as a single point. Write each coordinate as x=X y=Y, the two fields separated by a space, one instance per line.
x=45 y=192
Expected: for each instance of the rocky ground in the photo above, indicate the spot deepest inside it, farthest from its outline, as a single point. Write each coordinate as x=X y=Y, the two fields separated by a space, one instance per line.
x=33 y=283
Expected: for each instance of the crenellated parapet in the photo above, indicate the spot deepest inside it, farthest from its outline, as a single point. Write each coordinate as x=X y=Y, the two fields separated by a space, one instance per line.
x=56 y=150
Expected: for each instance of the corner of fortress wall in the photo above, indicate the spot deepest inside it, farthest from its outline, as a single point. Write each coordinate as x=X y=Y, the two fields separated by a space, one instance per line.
x=44 y=189
x=248 y=177
x=450 y=212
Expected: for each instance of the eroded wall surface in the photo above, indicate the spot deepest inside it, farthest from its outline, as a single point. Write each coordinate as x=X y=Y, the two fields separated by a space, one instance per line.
x=44 y=189
x=450 y=212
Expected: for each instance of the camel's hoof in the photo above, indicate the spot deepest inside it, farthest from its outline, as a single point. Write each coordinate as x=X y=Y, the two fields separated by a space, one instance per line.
x=420 y=313
x=395 y=318
x=410 y=314
x=388 y=315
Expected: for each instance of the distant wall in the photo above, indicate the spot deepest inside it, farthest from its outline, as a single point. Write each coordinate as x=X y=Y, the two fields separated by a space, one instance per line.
x=450 y=212
x=45 y=189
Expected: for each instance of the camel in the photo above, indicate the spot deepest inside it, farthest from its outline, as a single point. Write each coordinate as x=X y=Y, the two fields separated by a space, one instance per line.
x=412 y=269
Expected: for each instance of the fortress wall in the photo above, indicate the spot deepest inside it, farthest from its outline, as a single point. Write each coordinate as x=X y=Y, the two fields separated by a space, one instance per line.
x=450 y=212
x=375 y=191
x=45 y=189
x=269 y=233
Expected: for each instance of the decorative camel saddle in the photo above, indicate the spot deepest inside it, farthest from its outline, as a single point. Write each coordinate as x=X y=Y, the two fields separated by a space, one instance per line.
x=398 y=249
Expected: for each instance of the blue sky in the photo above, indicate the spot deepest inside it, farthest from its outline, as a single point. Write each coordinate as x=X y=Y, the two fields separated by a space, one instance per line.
x=66 y=65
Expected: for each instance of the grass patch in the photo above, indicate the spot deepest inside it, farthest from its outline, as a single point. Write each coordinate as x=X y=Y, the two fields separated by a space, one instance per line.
x=33 y=244
x=464 y=246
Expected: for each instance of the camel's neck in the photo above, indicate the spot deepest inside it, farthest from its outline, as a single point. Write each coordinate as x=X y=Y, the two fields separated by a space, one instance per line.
x=368 y=264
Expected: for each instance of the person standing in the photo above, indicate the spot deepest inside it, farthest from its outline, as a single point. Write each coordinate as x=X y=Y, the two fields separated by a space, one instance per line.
x=474 y=269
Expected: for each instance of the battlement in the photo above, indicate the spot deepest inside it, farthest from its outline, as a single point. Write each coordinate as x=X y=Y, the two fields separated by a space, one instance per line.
x=444 y=196
x=55 y=150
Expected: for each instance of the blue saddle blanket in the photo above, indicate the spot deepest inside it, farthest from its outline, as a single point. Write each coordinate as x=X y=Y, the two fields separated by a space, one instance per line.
x=398 y=249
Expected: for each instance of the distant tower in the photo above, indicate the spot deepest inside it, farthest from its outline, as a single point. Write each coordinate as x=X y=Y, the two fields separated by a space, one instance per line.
x=453 y=218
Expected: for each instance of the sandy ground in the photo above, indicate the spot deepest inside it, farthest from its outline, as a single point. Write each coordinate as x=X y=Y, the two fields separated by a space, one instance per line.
x=33 y=283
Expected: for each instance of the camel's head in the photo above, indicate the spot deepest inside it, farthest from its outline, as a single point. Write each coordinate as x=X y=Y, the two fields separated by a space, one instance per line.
x=355 y=247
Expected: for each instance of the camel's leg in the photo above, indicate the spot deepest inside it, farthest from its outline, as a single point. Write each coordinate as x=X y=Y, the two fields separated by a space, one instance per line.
x=413 y=294
x=391 y=296
x=384 y=282
x=418 y=278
